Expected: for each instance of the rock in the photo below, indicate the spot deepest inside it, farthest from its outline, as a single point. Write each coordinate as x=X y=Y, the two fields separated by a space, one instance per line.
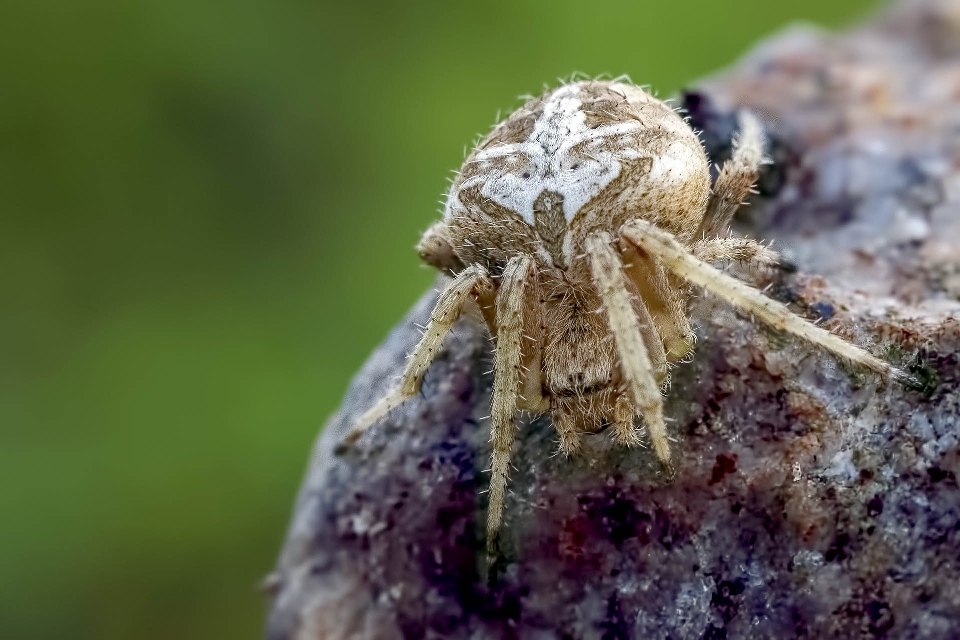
x=811 y=500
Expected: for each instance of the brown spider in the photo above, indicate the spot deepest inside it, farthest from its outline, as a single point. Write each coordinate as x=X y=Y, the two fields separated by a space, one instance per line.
x=577 y=225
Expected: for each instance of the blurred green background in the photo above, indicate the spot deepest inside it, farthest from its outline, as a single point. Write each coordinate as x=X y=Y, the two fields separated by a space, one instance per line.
x=207 y=214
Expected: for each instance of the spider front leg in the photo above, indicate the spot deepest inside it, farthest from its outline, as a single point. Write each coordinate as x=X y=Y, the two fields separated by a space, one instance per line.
x=510 y=309
x=736 y=179
x=472 y=281
x=634 y=358
x=674 y=256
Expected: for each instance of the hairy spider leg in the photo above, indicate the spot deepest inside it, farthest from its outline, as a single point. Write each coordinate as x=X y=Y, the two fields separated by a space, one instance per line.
x=625 y=327
x=678 y=259
x=624 y=430
x=737 y=249
x=663 y=320
x=565 y=424
x=474 y=281
x=736 y=179
x=509 y=306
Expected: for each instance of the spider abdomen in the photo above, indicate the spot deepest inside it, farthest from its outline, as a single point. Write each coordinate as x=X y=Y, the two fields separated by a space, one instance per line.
x=586 y=156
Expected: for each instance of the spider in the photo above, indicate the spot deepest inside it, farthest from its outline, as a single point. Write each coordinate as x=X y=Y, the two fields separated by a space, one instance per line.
x=578 y=225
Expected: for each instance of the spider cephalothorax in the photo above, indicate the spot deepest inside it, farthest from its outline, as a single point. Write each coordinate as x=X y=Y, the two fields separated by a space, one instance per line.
x=577 y=225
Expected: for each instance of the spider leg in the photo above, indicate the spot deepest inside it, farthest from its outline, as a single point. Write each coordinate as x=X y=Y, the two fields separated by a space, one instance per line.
x=531 y=396
x=736 y=179
x=634 y=358
x=565 y=423
x=662 y=314
x=623 y=429
x=506 y=385
x=678 y=259
x=472 y=281
x=735 y=248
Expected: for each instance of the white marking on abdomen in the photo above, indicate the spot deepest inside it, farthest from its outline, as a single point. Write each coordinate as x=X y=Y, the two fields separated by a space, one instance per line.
x=548 y=159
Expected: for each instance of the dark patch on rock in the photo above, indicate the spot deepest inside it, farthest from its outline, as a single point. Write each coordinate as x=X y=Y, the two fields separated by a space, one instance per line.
x=724 y=599
x=715 y=633
x=725 y=464
x=880 y=616
x=616 y=517
x=614 y=625
x=824 y=310
x=838 y=551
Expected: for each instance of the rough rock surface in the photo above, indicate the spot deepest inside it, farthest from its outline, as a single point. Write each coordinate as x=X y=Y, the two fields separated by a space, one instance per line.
x=811 y=500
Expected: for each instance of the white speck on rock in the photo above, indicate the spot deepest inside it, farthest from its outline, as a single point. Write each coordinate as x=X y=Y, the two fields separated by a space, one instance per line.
x=920 y=426
x=908 y=227
x=842 y=467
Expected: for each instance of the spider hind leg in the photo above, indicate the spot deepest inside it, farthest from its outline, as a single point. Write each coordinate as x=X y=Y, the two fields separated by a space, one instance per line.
x=680 y=261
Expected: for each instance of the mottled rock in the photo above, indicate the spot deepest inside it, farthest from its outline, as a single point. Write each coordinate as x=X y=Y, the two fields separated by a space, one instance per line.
x=811 y=500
